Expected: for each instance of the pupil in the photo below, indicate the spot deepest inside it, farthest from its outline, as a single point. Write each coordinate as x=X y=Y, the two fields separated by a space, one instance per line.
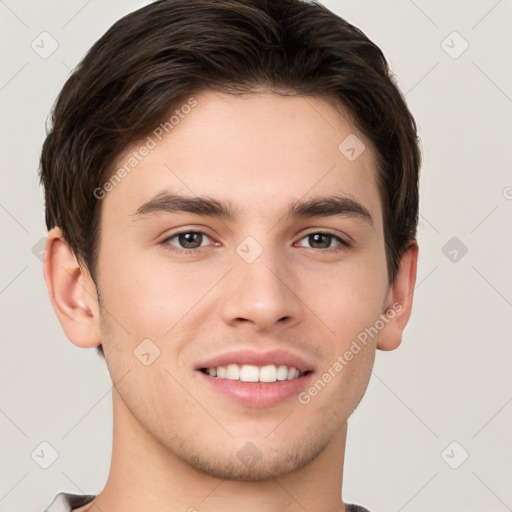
x=186 y=238
x=316 y=236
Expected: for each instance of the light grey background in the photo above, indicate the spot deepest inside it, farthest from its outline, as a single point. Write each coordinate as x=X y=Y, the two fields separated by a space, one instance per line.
x=450 y=381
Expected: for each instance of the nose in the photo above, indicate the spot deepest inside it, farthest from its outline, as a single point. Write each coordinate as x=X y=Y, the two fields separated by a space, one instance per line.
x=262 y=294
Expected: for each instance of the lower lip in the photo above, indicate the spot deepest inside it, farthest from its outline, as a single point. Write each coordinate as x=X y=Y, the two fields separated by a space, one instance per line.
x=258 y=394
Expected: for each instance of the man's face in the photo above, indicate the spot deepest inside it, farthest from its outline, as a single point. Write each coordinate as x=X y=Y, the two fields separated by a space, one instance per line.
x=259 y=281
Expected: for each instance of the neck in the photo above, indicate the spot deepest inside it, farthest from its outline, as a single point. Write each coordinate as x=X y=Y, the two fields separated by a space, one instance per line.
x=144 y=475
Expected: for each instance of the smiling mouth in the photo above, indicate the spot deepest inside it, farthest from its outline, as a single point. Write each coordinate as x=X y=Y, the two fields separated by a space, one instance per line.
x=253 y=373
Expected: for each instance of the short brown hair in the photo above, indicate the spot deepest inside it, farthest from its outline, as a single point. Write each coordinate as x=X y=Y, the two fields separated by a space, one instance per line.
x=149 y=61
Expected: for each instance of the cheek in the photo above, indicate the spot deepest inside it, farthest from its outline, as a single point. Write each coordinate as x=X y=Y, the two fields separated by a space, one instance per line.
x=150 y=295
x=348 y=297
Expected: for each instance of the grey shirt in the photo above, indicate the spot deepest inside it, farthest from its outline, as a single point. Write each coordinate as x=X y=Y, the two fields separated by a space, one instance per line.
x=66 y=502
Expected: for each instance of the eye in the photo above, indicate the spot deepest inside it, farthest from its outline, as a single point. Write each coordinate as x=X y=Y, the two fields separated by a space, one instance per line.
x=189 y=241
x=323 y=241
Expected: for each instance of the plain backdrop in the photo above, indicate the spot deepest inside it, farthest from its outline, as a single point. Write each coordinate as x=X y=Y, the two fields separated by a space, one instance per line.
x=433 y=431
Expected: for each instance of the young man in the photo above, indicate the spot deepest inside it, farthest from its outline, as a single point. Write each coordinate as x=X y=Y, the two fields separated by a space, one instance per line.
x=232 y=198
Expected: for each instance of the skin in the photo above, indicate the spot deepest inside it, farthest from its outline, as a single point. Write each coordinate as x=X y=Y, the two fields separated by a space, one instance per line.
x=175 y=440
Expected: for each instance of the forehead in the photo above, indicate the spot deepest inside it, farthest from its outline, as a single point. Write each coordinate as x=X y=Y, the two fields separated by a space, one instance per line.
x=256 y=151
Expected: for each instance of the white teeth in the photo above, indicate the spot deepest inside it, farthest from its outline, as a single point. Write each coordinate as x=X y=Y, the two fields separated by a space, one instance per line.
x=268 y=373
x=251 y=373
x=282 y=372
x=232 y=372
x=292 y=373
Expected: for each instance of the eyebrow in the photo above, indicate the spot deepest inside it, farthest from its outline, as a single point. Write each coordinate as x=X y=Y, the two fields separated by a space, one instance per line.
x=329 y=206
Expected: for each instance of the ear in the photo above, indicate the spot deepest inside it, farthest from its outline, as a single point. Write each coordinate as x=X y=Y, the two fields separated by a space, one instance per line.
x=72 y=292
x=398 y=303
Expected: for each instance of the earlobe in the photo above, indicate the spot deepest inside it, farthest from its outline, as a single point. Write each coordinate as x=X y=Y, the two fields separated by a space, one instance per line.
x=72 y=292
x=398 y=304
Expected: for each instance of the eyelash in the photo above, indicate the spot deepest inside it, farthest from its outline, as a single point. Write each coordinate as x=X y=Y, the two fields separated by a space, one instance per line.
x=343 y=244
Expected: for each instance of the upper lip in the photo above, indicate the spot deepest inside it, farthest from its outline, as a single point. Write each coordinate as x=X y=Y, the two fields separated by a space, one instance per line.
x=277 y=357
